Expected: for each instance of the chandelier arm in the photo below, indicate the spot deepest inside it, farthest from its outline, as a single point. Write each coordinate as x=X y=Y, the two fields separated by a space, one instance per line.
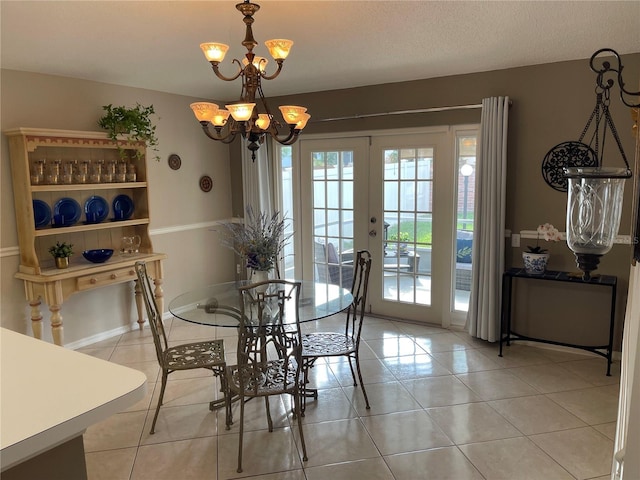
x=607 y=70
x=228 y=138
x=289 y=140
x=276 y=73
x=216 y=70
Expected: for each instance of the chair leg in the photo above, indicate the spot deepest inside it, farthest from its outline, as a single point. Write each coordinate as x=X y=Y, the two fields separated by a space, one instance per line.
x=155 y=417
x=297 y=403
x=241 y=434
x=364 y=391
x=269 y=421
x=353 y=374
x=226 y=392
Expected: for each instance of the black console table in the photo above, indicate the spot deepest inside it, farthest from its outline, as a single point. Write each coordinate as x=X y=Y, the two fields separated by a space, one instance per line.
x=507 y=335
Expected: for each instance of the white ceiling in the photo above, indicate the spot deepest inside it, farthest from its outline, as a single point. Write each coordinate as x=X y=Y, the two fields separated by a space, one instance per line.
x=338 y=44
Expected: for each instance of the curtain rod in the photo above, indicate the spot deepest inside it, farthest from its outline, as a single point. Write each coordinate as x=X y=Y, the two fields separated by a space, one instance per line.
x=404 y=112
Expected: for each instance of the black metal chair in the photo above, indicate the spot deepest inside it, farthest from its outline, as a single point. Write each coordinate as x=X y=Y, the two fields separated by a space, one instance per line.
x=346 y=343
x=188 y=356
x=269 y=348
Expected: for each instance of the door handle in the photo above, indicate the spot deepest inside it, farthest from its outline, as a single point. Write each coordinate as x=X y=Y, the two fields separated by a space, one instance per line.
x=372 y=233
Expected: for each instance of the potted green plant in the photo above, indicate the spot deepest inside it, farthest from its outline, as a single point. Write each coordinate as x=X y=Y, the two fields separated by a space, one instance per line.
x=535 y=258
x=402 y=238
x=61 y=252
x=134 y=122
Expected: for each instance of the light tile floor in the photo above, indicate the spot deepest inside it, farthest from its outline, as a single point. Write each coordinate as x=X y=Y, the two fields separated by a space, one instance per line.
x=443 y=406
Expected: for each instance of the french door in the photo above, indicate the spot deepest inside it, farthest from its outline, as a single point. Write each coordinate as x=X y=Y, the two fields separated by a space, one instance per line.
x=394 y=194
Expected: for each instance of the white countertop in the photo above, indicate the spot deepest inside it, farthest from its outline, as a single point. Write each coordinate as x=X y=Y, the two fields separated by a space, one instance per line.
x=49 y=395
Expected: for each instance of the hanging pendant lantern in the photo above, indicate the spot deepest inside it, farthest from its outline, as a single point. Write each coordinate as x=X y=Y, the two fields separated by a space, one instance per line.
x=595 y=193
x=594 y=207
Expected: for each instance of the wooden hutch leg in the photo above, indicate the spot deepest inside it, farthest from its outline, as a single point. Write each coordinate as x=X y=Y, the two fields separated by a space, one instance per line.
x=56 y=324
x=159 y=294
x=138 y=296
x=36 y=318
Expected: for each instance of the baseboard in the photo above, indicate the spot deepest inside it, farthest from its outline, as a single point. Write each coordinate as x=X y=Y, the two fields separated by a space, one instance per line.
x=98 y=337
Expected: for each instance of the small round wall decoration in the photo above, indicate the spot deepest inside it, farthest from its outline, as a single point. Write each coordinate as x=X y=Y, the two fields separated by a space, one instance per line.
x=206 y=183
x=174 y=161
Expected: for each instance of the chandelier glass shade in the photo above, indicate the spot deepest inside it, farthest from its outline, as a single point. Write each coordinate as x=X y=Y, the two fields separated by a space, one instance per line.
x=251 y=116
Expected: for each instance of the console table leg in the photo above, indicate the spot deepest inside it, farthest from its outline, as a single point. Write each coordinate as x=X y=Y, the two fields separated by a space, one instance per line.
x=36 y=318
x=56 y=324
x=159 y=294
x=138 y=296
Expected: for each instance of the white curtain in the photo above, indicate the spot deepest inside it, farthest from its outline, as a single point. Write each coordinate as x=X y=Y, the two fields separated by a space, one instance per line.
x=256 y=179
x=257 y=184
x=483 y=317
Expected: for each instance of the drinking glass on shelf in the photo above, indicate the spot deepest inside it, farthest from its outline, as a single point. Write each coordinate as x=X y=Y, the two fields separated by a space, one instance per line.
x=109 y=172
x=37 y=172
x=121 y=172
x=82 y=171
x=96 y=172
x=131 y=172
x=67 y=171
x=53 y=172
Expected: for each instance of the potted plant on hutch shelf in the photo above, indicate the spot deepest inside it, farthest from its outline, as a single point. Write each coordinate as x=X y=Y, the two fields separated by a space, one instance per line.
x=259 y=241
x=61 y=253
x=535 y=258
x=135 y=123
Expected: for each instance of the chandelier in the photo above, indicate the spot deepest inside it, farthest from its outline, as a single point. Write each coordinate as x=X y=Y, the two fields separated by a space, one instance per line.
x=250 y=117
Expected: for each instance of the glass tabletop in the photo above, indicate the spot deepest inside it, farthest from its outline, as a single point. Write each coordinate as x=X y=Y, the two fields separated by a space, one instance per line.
x=219 y=305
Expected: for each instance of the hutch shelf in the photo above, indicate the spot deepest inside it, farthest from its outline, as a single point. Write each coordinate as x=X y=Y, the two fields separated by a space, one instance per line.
x=58 y=171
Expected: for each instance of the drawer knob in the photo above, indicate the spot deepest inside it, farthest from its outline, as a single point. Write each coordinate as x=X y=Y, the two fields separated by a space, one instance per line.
x=113 y=276
x=94 y=280
x=131 y=272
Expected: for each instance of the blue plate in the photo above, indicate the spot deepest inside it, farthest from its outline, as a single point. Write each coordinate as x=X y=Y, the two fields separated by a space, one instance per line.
x=122 y=207
x=41 y=213
x=96 y=209
x=66 y=212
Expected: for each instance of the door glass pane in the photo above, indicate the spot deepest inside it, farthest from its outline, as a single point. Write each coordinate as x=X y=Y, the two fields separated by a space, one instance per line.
x=466 y=173
x=407 y=225
x=286 y=183
x=333 y=217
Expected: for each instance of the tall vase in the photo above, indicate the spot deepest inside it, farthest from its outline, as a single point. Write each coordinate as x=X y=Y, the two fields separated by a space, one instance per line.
x=535 y=263
x=260 y=276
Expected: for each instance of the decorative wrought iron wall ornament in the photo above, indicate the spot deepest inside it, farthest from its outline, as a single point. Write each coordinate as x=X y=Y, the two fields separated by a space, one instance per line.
x=595 y=193
x=563 y=155
x=175 y=161
x=206 y=183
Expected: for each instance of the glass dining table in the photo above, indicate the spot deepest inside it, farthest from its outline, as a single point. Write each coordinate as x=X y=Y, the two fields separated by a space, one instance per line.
x=218 y=305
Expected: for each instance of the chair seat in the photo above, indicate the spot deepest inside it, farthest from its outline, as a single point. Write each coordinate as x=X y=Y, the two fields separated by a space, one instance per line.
x=268 y=378
x=193 y=355
x=327 y=344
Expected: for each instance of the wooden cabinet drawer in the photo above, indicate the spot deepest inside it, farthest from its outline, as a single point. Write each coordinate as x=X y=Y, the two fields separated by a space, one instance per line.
x=110 y=277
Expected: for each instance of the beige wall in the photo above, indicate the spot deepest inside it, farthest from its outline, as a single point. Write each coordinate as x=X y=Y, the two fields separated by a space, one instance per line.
x=551 y=104
x=181 y=214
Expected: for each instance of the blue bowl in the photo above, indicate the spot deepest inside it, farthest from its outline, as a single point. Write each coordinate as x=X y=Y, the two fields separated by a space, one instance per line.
x=98 y=256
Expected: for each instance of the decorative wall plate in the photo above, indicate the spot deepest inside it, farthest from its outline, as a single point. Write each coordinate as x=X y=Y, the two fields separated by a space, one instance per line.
x=566 y=154
x=206 y=183
x=175 y=161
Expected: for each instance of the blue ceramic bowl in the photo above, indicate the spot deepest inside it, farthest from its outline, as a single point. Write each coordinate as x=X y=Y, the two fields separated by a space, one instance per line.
x=98 y=256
